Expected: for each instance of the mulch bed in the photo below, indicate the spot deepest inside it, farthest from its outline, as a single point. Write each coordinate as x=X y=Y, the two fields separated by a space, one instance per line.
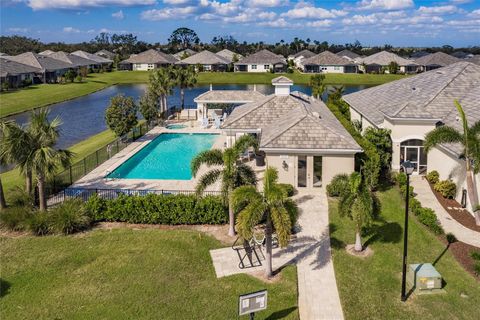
x=461 y=215
x=461 y=251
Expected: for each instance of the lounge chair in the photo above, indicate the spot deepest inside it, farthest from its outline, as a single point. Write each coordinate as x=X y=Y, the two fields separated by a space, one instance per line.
x=218 y=122
x=205 y=123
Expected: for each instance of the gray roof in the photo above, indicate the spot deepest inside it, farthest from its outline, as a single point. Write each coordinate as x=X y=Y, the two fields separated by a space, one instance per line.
x=46 y=52
x=348 y=54
x=9 y=67
x=428 y=96
x=227 y=54
x=91 y=56
x=282 y=79
x=384 y=58
x=45 y=63
x=437 y=59
x=475 y=59
x=419 y=54
x=326 y=58
x=304 y=53
x=229 y=96
x=263 y=57
x=105 y=53
x=73 y=60
x=205 y=57
x=179 y=55
x=151 y=56
x=296 y=121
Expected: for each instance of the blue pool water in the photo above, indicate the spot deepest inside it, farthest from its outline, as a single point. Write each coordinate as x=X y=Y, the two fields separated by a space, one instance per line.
x=167 y=157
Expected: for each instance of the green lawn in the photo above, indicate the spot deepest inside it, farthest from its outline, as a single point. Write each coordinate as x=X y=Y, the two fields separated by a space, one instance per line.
x=45 y=94
x=370 y=288
x=128 y=274
x=12 y=178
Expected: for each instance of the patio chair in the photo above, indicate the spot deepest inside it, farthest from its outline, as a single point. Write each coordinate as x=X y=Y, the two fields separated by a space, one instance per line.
x=205 y=123
x=218 y=122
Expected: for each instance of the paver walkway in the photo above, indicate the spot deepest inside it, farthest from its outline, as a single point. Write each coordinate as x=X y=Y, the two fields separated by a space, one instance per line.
x=428 y=199
x=317 y=288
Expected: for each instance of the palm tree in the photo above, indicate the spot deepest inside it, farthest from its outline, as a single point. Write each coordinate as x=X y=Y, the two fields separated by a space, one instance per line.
x=318 y=87
x=185 y=78
x=272 y=206
x=469 y=139
x=229 y=171
x=357 y=203
x=161 y=85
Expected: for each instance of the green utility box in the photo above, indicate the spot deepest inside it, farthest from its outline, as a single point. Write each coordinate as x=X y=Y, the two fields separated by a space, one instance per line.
x=424 y=277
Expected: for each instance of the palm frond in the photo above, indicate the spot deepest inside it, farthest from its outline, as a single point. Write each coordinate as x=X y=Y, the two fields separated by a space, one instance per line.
x=208 y=157
x=249 y=217
x=207 y=179
x=245 y=175
x=443 y=134
x=243 y=195
x=282 y=224
x=244 y=142
x=475 y=130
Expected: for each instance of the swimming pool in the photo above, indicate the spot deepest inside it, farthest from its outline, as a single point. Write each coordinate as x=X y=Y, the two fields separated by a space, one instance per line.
x=176 y=126
x=167 y=157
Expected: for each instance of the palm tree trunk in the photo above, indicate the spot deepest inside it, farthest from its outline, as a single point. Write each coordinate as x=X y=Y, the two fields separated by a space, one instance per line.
x=231 y=216
x=358 y=241
x=3 y=203
x=28 y=182
x=182 y=95
x=268 y=245
x=472 y=194
x=41 y=193
x=165 y=106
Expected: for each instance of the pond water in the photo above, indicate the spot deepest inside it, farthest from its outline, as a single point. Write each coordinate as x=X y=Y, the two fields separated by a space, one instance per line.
x=84 y=116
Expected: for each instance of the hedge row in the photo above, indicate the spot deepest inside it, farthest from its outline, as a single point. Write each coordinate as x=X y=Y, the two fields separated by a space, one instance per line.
x=159 y=209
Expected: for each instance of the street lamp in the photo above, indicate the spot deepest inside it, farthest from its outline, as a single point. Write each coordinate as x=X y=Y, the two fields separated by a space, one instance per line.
x=408 y=169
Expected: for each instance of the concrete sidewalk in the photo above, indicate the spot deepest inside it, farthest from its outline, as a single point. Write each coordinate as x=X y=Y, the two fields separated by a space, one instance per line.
x=426 y=197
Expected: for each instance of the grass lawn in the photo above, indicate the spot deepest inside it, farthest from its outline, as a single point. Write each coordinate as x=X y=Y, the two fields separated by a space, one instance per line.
x=128 y=274
x=12 y=178
x=45 y=94
x=370 y=288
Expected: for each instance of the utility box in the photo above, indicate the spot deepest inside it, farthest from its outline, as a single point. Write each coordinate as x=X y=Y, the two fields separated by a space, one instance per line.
x=424 y=277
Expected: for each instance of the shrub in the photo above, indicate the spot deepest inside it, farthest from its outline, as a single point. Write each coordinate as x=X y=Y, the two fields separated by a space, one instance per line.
x=159 y=209
x=15 y=218
x=69 y=217
x=451 y=238
x=433 y=177
x=288 y=188
x=475 y=255
x=401 y=179
x=476 y=268
x=427 y=217
x=403 y=190
x=414 y=206
x=39 y=223
x=338 y=185
x=20 y=198
x=78 y=78
x=446 y=188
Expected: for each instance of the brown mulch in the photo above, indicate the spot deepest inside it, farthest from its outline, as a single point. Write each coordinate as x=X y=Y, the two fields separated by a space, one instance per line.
x=461 y=215
x=461 y=251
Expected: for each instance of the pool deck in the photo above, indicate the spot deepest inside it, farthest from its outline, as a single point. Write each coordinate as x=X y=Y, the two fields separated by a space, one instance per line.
x=96 y=178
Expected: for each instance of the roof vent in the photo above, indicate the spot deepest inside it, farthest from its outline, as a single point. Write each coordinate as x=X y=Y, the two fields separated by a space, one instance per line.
x=316 y=115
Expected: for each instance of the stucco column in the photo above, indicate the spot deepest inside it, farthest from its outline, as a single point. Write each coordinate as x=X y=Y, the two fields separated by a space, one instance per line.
x=309 y=171
x=396 y=155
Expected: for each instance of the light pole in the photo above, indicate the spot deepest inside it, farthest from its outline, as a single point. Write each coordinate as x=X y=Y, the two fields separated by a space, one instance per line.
x=408 y=168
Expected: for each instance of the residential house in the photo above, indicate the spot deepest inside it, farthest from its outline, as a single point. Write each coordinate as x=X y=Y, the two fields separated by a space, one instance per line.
x=414 y=106
x=262 y=61
x=475 y=59
x=100 y=61
x=419 y=54
x=435 y=60
x=16 y=74
x=297 y=134
x=46 y=52
x=50 y=69
x=347 y=54
x=77 y=63
x=105 y=54
x=229 y=55
x=327 y=62
x=206 y=61
x=148 y=60
x=378 y=63
x=462 y=55
x=184 y=54
x=298 y=57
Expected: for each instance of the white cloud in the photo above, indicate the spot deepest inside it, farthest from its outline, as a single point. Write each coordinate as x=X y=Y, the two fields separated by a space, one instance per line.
x=308 y=11
x=70 y=30
x=17 y=30
x=266 y=3
x=118 y=15
x=320 y=23
x=77 y=4
x=168 y=13
x=475 y=22
x=279 y=23
x=474 y=14
x=176 y=2
x=438 y=9
x=385 y=4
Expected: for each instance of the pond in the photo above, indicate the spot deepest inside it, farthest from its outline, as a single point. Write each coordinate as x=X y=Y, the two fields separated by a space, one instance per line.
x=84 y=116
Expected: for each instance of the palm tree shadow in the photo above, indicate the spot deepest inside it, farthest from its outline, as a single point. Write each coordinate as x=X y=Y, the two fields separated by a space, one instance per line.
x=388 y=232
x=281 y=313
x=4 y=287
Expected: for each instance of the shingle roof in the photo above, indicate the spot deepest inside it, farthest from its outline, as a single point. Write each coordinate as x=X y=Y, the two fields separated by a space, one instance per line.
x=46 y=52
x=296 y=121
x=419 y=54
x=384 y=58
x=179 y=55
x=282 y=79
x=304 y=53
x=227 y=54
x=475 y=59
x=232 y=96
x=73 y=60
x=205 y=57
x=105 y=53
x=91 y=56
x=437 y=59
x=428 y=95
x=151 y=56
x=38 y=61
x=348 y=54
x=9 y=67
x=326 y=58
x=263 y=57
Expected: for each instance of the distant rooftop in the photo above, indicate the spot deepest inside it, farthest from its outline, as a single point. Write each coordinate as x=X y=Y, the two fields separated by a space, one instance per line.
x=205 y=57
x=263 y=57
x=437 y=59
x=151 y=56
x=384 y=58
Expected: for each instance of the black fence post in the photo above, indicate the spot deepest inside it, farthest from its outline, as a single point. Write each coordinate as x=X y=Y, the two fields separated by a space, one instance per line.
x=71 y=177
x=117 y=146
x=84 y=166
x=96 y=156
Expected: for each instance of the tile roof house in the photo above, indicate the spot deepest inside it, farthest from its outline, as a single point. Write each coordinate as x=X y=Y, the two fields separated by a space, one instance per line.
x=208 y=61
x=105 y=54
x=378 y=62
x=46 y=52
x=475 y=59
x=50 y=68
x=262 y=61
x=184 y=54
x=348 y=54
x=94 y=57
x=414 y=106
x=15 y=73
x=298 y=57
x=229 y=55
x=297 y=133
x=328 y=62
x=435 y=60
x=73 y=60
x=148 y=60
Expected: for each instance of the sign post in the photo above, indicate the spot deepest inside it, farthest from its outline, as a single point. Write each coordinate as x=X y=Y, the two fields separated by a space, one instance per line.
x=252 y=302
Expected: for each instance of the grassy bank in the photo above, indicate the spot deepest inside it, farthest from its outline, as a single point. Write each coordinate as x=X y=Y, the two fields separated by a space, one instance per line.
x=45 y=94
x=12 y=178
x=370 y=288
x=128 y=274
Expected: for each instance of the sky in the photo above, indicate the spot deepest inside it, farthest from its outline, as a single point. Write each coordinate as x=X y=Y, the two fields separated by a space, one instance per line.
x=372 y=22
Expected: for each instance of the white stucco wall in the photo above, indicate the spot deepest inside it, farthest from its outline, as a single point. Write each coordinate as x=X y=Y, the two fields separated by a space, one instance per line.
x=143 y=66
x=332 y=69
x=260 y=68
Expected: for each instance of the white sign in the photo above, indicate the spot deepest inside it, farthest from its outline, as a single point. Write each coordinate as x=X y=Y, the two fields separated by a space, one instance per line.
x=252 y=302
